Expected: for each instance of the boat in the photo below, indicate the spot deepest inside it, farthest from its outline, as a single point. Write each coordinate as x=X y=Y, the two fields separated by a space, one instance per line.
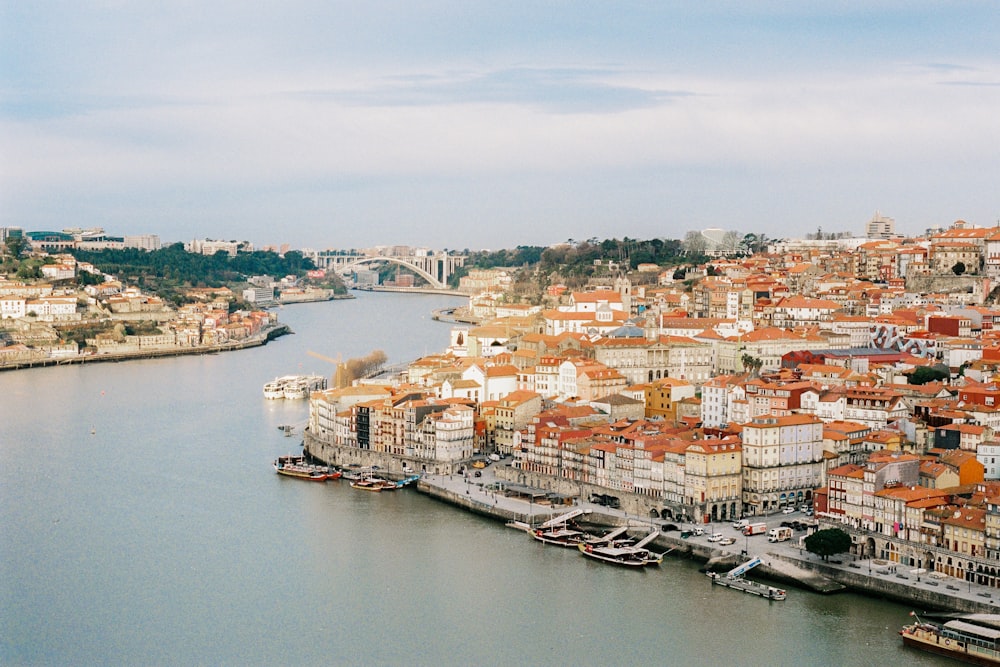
x=634 y=555
x=557 y=531
x=300 y=468
x=374 y=484
x=560 y=537
x=276 y=388
x=616 y=537
x=294 y=386
x=971 y=638
x=734 y=579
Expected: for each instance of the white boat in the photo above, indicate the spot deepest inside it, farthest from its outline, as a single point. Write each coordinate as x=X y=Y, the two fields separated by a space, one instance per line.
x=295 y=390
x=294 y=386
x=275 y=389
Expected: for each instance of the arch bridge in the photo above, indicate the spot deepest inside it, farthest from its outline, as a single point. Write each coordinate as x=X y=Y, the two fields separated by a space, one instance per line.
x=435 y=269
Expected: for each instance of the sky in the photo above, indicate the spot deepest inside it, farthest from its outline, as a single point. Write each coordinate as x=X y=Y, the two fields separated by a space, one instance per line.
x=487 y=125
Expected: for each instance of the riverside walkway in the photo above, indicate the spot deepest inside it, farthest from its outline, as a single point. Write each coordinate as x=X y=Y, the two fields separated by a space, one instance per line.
x=786 y=561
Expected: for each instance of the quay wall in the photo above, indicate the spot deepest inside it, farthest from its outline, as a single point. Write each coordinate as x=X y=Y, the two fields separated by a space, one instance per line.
x=468 y=503
x=344 y=455
x=630 y=503
x=895 y=591
x=810 y=575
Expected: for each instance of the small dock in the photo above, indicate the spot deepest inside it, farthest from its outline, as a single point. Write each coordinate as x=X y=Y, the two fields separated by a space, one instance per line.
x=747 y=586
x=734 y=579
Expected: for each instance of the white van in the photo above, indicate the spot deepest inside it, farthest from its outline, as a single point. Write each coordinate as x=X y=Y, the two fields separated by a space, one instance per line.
x=740 y=524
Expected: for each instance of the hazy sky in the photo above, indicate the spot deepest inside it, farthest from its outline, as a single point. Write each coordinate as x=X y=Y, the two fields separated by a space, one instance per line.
x=494 y=124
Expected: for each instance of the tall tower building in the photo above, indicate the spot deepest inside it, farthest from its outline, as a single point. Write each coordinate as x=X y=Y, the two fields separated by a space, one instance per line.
x=880 y=227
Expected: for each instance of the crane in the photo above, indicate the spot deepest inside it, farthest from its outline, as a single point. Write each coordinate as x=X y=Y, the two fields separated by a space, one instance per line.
x=340 y=375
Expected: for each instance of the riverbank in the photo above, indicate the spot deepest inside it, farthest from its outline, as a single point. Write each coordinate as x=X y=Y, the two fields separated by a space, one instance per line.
x=782 y=562
x=310 y=296
x=455 y=316
x=266 y=335
x=413 y=290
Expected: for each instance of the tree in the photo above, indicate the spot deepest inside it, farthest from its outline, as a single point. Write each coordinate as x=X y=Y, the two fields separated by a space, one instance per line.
x=925 y=374
x=828 y=542
x=731 y=242
x=958 y=269
x=15 y=245
x=751 y=363
x=752 y=243
x=695 y=243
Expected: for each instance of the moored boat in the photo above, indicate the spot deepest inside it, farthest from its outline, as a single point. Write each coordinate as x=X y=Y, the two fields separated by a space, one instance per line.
x=374 y=484
x=629 y=555
x=560 y=537
x=276 y=388
x=294 y=386
x=299 y=468
x=561 y=531
x=973 y=638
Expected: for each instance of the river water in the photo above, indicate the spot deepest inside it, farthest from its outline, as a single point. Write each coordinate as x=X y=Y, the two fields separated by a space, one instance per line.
x=141 y=523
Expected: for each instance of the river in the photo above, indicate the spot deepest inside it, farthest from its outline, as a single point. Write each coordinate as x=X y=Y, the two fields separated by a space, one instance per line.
x=141 y=523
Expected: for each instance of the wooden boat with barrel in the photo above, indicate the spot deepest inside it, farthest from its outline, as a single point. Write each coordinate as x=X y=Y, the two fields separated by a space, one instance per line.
x=628 y=555
x=300 y=468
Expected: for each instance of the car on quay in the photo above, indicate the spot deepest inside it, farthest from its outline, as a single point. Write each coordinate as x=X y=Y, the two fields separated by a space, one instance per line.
x=715 y=537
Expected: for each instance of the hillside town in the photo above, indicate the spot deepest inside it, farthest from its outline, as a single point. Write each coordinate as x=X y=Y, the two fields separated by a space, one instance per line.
x=65 y=310
x=856 y=378
x=853 y=378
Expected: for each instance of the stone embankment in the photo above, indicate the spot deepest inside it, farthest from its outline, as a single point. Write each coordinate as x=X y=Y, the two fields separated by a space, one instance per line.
x=782 y=562
x=499 y=494
x=267 y=334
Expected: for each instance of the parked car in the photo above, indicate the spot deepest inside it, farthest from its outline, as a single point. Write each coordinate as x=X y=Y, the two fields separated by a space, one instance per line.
x=788 y=510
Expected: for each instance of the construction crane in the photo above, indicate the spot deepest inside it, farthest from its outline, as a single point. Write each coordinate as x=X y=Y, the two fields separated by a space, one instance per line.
x=340 y=379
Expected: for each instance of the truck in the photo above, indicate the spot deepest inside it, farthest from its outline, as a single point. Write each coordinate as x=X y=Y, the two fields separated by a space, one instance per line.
x=755 y=529
x=779 y=534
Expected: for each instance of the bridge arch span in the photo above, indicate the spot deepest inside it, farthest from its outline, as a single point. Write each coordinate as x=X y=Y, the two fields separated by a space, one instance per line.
x=434 y=282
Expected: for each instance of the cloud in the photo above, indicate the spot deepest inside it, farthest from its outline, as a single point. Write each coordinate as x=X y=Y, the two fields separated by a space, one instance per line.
x=557 y=90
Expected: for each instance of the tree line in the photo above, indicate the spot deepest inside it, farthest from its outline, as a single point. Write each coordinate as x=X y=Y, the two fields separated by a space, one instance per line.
x=176 y=265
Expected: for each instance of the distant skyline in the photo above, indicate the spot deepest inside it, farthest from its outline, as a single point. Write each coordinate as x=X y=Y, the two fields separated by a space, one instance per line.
x=491 y=125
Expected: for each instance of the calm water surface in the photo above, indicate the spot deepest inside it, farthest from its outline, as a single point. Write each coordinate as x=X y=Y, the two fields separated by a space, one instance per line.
x=141 y=523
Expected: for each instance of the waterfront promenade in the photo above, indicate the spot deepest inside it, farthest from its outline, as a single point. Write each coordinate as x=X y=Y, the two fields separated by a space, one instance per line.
x=787 y=562
x=266 y=334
